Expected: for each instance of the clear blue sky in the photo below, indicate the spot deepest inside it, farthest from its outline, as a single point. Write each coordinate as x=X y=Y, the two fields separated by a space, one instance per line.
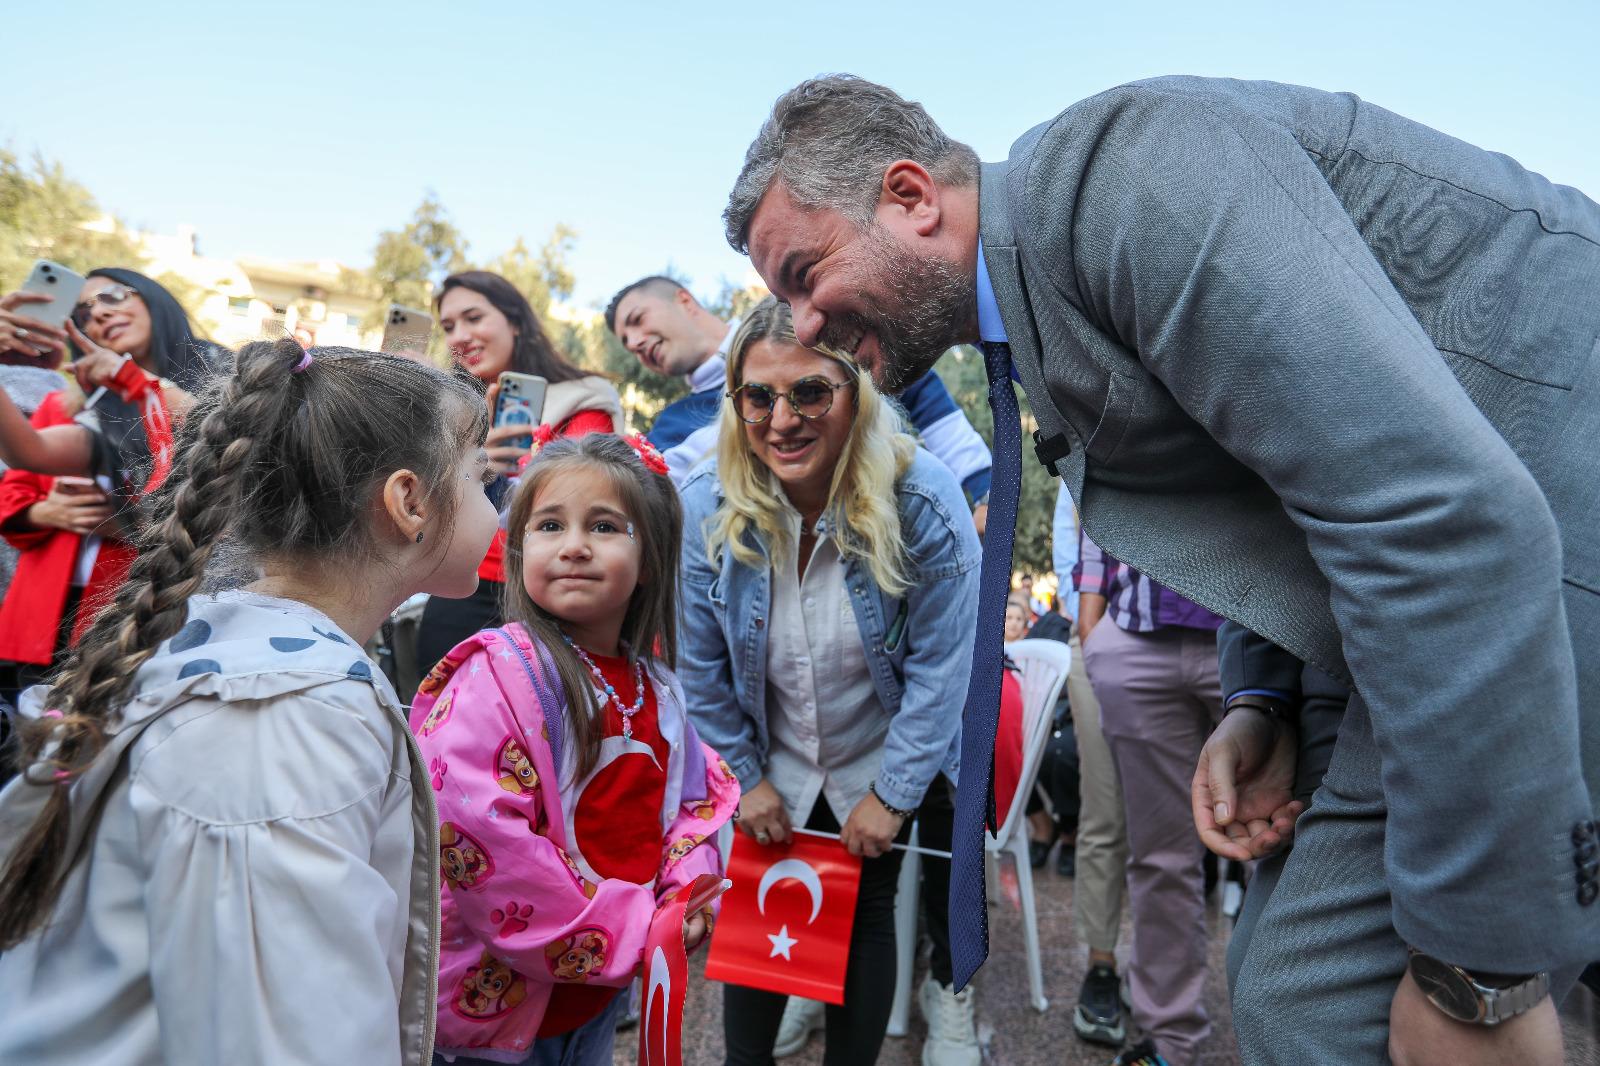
x=300 y=130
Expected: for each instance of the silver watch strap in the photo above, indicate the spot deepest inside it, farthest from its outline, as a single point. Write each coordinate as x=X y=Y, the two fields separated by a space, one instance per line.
x=1501 y=1004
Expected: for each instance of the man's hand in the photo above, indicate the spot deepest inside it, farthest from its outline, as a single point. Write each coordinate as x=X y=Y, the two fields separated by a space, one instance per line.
x=72 y=506
x=870 y=829
x=1243 y=787
x=1420 y=1034
x=762 y=815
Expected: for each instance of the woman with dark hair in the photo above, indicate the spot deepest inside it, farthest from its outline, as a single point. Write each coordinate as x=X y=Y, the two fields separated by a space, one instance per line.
x=491 y=328
x=79 y=469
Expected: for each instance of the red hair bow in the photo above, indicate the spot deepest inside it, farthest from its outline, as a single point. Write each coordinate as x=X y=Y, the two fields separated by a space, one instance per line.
x=647 y=454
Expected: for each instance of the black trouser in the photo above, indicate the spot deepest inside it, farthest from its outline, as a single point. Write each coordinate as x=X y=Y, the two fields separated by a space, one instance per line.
x=446 y=623
x=751 y=1017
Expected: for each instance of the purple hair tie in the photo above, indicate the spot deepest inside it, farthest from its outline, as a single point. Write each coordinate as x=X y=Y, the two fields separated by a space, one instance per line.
x=52 y=714
x=304 y=362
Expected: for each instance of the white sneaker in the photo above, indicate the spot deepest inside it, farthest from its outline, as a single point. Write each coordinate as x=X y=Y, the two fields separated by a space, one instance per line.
x=800 y=1018
x=952 y=1036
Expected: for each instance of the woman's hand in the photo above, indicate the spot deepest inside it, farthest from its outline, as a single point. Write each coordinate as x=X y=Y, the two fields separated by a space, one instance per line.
x=870 y=829
x=25 y=334
x=96 y=366
x=695 y=928
x=1420 y=1034
x=1243 y=788
x=503 y=457
x=74 y=504
x=762 y=815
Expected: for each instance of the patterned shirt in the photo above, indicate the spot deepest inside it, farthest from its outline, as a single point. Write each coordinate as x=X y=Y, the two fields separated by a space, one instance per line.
x=1133 y=601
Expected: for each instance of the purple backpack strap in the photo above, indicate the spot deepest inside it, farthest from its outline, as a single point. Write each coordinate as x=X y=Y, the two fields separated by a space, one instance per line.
x=551 y=695
x=694 y=765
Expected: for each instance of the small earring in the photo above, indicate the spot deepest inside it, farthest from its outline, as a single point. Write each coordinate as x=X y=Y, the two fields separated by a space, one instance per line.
x=419 y=538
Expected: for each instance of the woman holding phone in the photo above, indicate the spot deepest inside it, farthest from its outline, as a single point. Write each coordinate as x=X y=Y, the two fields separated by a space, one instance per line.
x=491 y=330
x=69 y=495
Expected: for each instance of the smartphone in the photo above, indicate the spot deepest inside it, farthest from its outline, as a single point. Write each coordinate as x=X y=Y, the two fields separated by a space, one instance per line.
x=61 y=284
x=78 y=486
x=520 y=403
x=406 y=328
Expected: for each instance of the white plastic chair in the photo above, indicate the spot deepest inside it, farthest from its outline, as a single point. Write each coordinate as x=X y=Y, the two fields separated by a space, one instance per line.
x=1044 y=665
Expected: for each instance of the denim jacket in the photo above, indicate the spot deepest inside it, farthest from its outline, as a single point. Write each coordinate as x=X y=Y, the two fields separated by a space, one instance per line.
x=919 y=647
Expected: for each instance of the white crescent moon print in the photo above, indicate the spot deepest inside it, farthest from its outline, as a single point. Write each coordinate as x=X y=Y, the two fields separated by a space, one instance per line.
x=660 y=978
x=801 y=871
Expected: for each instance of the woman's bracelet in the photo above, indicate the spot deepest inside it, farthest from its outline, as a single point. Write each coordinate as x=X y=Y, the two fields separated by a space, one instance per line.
x=896 y=811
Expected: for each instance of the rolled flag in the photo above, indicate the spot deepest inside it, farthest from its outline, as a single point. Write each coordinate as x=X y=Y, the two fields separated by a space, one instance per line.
x=666 y=973
x=786 y=922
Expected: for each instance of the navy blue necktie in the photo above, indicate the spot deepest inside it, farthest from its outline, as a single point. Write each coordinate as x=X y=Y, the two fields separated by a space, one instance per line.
x=969 y=914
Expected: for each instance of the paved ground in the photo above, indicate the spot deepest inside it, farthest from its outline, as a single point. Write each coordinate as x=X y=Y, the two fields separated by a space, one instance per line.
x=1011 y=1032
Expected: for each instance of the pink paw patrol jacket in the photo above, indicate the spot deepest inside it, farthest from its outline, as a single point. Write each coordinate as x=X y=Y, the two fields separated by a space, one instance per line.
x=521 y=911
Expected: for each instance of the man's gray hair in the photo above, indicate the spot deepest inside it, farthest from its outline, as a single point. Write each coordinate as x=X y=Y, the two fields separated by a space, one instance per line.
x=829 y=140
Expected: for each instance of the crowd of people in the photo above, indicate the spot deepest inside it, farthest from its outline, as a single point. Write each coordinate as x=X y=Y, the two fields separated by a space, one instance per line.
x=785 y=608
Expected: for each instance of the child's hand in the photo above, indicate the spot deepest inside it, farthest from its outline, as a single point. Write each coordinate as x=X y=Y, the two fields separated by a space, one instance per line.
x=695 y=928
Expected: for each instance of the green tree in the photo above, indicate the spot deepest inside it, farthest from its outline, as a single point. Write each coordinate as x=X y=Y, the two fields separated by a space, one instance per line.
x=544 y=277
x=963 y=374
x=43 y=214
x=408 y=263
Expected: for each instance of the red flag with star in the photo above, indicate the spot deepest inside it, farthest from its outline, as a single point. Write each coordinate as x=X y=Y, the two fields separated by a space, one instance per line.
x=666 y=973
x=786 y=922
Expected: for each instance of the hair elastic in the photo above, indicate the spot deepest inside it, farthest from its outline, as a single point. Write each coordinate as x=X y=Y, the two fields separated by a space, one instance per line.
x=304 y=362
x=51 y=714
x=62 y=775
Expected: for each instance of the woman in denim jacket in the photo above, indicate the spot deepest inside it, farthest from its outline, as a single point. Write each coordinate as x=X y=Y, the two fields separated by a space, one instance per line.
x=830 y=589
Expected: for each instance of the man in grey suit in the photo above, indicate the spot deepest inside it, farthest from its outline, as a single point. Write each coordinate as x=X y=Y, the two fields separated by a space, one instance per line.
x=1335 y=376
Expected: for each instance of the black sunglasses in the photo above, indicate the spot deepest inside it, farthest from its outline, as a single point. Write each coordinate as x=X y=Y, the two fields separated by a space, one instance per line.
x=111 y=297
x=810 y=398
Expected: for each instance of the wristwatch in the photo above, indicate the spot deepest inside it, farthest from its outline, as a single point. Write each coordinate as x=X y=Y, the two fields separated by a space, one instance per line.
x=1467 y=999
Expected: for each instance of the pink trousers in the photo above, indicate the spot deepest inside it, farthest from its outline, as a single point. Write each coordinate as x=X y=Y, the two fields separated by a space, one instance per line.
x=1159 y=699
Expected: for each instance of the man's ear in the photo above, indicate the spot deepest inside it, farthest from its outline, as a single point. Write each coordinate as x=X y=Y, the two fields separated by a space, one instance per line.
x=685 y=300
x=404 y=503
x=910 y=192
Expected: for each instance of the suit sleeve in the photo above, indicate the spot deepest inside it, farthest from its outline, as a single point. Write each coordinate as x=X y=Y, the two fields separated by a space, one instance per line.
x=1207 y=241
x=1249 y=662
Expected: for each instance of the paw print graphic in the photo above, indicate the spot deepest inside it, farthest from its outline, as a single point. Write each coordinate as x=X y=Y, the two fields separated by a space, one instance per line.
x=437 y=767
x=511 y=917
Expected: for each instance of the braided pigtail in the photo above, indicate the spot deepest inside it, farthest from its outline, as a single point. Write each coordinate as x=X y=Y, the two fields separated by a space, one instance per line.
x=190 y=515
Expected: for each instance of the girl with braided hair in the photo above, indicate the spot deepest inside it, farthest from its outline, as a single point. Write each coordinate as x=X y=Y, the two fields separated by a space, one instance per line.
x=222 y=844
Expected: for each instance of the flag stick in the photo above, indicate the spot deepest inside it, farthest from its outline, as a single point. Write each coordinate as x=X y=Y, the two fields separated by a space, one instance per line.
x=901 y=847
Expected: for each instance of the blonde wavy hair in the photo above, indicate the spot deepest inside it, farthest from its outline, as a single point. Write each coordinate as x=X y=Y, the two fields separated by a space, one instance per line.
x=862 y=497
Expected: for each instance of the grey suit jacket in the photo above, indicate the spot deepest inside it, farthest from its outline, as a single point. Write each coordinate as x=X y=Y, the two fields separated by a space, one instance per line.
x=1334 y=376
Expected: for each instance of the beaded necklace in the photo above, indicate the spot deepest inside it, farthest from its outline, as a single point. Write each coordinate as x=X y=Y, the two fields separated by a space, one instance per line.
x=600 y=679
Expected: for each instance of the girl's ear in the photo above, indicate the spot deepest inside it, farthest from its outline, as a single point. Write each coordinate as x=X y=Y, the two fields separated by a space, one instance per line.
x=405 y=504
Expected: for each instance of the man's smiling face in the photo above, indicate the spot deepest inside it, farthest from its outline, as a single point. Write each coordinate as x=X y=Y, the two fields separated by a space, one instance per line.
x=861 y=291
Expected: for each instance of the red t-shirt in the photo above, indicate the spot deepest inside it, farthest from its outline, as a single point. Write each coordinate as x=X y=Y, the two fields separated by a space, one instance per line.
x=493 y=566
x=616 y=825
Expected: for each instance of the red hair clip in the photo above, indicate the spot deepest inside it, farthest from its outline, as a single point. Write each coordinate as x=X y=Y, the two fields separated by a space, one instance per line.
x=647 y=454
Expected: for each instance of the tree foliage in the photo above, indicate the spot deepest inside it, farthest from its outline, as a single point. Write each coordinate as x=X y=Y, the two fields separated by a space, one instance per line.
x=43 y=213
x=408 y=263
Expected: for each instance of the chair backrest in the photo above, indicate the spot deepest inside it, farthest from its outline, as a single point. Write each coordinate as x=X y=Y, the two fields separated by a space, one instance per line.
x=1044 y=665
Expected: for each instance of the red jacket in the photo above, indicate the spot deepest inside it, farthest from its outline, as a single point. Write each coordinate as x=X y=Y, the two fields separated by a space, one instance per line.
x=31 y=614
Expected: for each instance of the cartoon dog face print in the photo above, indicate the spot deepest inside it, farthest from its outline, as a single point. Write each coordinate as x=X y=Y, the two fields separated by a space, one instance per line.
x=441 y=673
x=463 y=862
x=438 y=716
x=588 y=886
x=489 y=990
x=682 y=847
x=579 y=956
x=704 y=810
x=514 y=768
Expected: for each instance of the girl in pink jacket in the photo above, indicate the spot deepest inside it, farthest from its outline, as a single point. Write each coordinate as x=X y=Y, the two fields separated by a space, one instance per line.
x=574 y=795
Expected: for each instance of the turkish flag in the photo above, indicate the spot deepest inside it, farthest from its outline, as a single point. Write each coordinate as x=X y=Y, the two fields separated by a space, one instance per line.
x=785 y=924
x=666 y=973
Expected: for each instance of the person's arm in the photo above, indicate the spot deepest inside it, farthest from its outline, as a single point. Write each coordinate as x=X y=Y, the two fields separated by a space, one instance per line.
x=1089 y=580
x=1064 y=549
x=1205 y=240
x=52 y=450
x=948 y=435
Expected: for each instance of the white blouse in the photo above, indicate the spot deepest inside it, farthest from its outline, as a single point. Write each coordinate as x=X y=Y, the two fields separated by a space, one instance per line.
x=824 y=719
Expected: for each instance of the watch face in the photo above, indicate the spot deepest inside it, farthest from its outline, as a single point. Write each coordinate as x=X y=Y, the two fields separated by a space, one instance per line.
x=1447 y=989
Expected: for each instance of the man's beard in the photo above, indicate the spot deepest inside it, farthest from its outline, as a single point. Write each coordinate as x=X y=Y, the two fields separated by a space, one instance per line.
x=916 y=305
